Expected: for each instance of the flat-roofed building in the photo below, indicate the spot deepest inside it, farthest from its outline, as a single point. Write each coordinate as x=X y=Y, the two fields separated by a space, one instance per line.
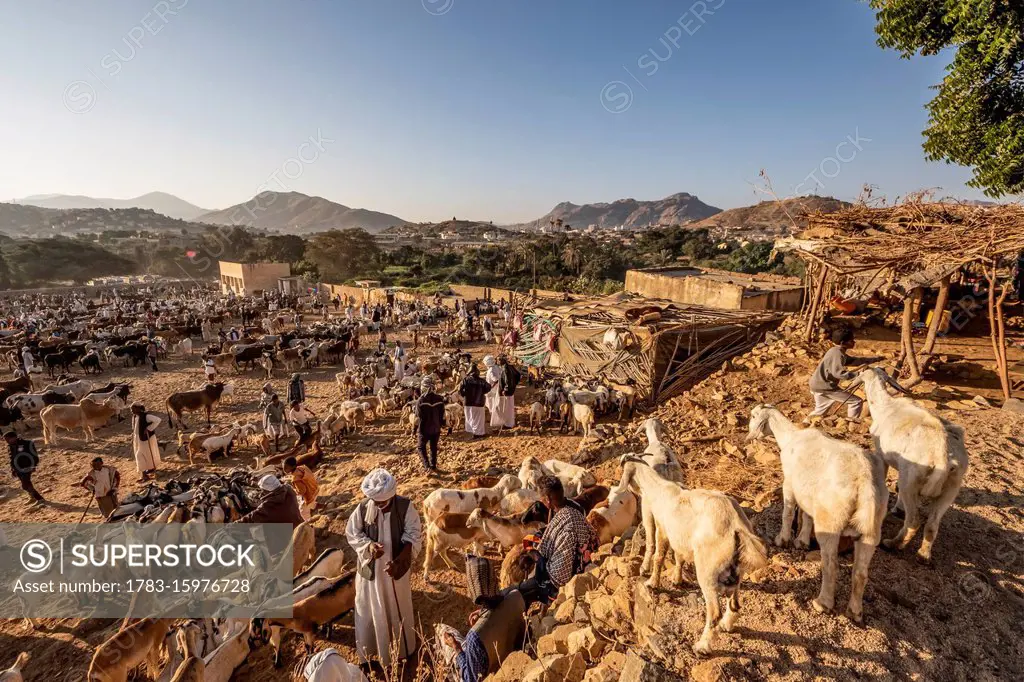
x=718 y=288
x=249 y=279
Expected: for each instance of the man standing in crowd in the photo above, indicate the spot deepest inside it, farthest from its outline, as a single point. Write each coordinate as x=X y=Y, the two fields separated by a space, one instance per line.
x=273 y=420
x=24 y=460
x=430 y=409
x=474 y=395
x=296 y=389
x=301 y=417
x=103 y=482
x=507 y=384
x=562 y=552
x=304 y=484
x=385 y=531
x=831 y=370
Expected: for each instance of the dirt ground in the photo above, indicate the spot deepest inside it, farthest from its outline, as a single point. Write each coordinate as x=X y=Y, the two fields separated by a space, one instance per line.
x=959 y=619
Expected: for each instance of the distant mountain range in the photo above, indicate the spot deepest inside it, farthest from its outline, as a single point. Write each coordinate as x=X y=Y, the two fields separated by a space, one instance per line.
x=296 y=213
x=677 y=209
x=159 y=202
x=769 y=219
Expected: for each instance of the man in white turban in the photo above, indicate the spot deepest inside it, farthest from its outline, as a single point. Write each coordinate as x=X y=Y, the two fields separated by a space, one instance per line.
x=386 y=533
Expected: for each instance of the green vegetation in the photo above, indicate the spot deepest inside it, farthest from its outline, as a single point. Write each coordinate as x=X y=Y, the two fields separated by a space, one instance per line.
x=977 y=117
x=26 y=263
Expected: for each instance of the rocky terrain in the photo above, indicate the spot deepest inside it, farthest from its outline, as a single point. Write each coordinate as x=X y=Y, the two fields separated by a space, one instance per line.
x=297 y=213
x=768 y=219
x=678 y=209
x=957 y=620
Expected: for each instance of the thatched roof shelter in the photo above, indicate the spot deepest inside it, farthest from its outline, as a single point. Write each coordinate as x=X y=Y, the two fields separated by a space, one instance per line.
x=660 y=346
x=908 y=247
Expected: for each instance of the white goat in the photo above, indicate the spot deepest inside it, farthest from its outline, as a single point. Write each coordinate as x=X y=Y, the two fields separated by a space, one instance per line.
x=574 y=478
x=530 y=473
x=611 y=518
x=583 y=417
x=659 y=455
x=447 y=501
x=704 y=527
x=518 y=501
x=840 y=486
x=927 y=452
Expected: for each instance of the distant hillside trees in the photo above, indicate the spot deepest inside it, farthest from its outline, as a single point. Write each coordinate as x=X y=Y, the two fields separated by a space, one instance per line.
x=32 y=262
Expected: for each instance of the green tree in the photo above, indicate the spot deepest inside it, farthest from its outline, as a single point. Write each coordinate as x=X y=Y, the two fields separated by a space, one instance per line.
x=977 y=116
x=283 y=248
x=340 y=255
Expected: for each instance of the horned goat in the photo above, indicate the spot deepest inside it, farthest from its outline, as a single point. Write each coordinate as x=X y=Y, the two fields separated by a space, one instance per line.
x=444 y=500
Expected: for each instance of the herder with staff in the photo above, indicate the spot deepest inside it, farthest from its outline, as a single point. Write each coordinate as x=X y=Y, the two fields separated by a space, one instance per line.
x=831 y=370
x=385 y=531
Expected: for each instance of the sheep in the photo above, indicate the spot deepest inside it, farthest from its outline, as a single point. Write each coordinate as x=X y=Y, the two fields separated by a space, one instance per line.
x=704 y=527
x=448 y=531
x=537 y=417
x=506 y=532
x=659 y=455
x=13 y=674
x=208 y=443
x=128 y=648
x=312 y=612
x=840 y=486
x=927 y=452
x=612 y=517
x=443 y=501
x=518 y=501
x=583 y=417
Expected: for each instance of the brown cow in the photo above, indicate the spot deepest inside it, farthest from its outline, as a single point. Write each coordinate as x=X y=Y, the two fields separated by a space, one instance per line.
x=192 y=401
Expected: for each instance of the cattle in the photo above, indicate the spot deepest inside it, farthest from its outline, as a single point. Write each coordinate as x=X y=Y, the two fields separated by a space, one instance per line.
x=78 y=389
x=22 y=384
x=247 y=355
x=122 y=390
x=86 y=415
x=32 y=404
x=191 y=401
x=90 y=362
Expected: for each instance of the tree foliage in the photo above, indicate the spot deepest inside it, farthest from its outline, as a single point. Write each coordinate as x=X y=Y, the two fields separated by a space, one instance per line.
x=340 y=255
x=977 y=116
x=29 y=262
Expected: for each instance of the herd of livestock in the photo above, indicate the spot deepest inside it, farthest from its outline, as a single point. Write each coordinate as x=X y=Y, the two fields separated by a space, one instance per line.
x=836 y=488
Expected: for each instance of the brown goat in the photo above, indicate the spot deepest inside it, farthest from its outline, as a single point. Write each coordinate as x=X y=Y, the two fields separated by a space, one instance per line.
x=141 y=641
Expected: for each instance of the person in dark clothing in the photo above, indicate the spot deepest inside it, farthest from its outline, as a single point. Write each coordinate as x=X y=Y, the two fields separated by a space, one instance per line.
x=296 y=389
x=24 y=460
x=279 y=505
x=430 y=409
x=151 y=352
x=474 y=392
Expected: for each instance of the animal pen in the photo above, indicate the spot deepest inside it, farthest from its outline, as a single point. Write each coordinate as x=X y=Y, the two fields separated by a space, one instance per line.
x=902 y=250
x=660 y=347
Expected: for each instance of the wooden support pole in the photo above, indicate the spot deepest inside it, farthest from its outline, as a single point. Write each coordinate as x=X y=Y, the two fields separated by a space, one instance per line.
x=997 y=327
x=907 y=336
x=819 y=291
x=940 y=308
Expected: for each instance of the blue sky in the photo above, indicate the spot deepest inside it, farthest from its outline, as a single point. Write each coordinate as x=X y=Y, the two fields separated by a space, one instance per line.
x=485 y=109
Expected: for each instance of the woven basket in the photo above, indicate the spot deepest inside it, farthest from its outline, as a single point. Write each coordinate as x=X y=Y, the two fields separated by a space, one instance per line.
x=481 y=582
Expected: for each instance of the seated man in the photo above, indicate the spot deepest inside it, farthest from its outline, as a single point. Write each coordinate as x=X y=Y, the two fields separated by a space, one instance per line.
x=567 y=539
x=831 y=370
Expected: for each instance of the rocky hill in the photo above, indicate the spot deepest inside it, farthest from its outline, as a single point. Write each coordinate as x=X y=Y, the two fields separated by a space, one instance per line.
x=297 y=213
x=769 y=219
x=159 y=202
x=678 y=209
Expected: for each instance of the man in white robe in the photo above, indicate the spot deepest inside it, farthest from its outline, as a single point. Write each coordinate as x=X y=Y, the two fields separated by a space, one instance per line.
x=493 y=399
x=329 y=666
x=386 y=533
x=144 y=443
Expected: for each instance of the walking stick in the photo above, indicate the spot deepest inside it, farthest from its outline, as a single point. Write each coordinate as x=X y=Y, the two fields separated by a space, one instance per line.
x=87 y=508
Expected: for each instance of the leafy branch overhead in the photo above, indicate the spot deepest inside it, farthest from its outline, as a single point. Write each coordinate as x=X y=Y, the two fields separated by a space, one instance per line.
x=977 y=116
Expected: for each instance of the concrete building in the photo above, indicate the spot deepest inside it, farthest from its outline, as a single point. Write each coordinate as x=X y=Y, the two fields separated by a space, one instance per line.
x=717 y=288
x=248 y=279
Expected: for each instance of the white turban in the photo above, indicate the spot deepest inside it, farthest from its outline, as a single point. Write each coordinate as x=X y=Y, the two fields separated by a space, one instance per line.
x=269 y=483
x=379 y=485
x=489 y=361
